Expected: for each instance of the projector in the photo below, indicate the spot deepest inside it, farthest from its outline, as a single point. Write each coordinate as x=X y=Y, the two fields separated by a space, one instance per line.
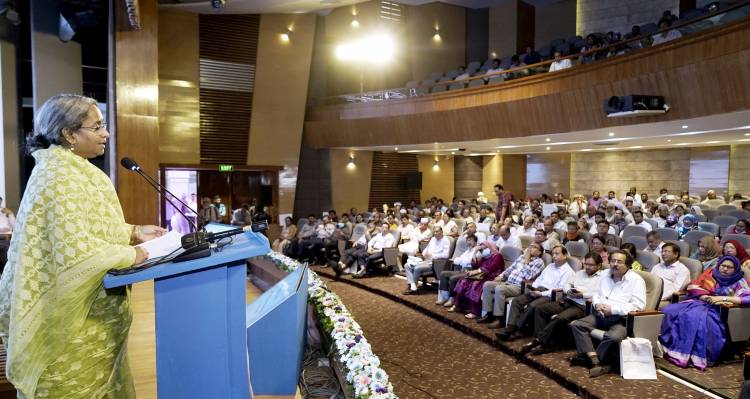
x=635 y=105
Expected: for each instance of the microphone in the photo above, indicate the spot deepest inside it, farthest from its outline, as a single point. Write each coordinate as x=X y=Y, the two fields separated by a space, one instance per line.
x=188 y=241
x=130 y=164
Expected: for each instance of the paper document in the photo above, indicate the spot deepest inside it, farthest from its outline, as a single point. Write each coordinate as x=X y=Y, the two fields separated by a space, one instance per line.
x=163 y=245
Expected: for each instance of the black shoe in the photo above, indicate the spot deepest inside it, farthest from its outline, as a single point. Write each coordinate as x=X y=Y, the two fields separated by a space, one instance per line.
x=506 y=334
x=488 y=318
x=530 y=346
x=580 y=361
x=336 y=268
x=540 y=350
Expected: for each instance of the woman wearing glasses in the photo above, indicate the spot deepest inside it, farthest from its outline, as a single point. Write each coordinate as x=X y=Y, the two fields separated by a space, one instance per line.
x=65 y=335
x=692 y=330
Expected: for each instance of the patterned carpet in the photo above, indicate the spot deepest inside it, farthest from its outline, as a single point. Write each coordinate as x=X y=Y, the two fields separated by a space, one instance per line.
x=554 y=366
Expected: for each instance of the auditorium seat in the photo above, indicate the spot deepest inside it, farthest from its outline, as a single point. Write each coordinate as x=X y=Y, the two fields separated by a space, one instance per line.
x=692 y=238
x=496 y=79
x=710 y=214
x=743 y=239
x=510 y=254
x=574 y=263
x=451 y=74
x=457 y=86
x=476 y=83
x=438 y=88
x=435 y=76
x=695 y=266
x=714 y=203
x=739 y=214
x=668 y=234
x=473 y=66
x=639 y=242
x=577 y=248
x=646 y=259
x=638 y=231
x=723 y=222
x=684 y=247
x=726 y=208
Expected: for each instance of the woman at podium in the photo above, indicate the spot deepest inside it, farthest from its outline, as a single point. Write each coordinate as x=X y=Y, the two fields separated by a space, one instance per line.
x=65 y=335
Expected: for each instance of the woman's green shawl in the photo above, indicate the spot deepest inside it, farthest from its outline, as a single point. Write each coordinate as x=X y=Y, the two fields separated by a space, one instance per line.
x=64 y=334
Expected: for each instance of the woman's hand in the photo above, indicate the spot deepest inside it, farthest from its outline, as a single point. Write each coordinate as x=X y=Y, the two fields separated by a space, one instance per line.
x=140 y=255
x=149 y=232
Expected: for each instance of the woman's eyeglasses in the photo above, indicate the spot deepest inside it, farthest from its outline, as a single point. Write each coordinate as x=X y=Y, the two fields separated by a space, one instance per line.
x=96 y=128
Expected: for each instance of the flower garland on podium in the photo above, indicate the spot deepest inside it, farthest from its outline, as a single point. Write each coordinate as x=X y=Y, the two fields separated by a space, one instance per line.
x=363 y=371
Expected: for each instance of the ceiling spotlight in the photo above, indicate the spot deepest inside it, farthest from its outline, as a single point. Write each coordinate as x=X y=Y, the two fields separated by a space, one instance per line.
x=355 y=23
x=669 y=140
x=684 y=126
x=547 y=148
x=436 y=165
x=548 y=139
x=611 y=134
x=350 y=164
x=395 y=149
x=285 y=37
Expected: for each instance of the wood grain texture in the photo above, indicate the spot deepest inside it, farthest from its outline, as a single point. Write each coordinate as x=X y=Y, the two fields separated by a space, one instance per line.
x=547 y=174
x=739 y=169
x=467 y=177
x=702 y=74
x=388 y=182
x=137 y=116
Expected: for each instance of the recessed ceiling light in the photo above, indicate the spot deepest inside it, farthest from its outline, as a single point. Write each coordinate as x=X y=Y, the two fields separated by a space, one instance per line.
x=585 y=150
x=548 y=139
x=635 y=147
x=611 y=148
x=395 y=149
x=611 y=134
x=684 y=126
x=669 y=140
x=547 y=148
x=744 y=140
x=507 y=146
x=713 y=142
x=453 y=152
x=683 y=144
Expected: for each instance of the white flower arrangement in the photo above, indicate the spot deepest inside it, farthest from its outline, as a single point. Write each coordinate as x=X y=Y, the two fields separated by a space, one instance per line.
x=363 y=370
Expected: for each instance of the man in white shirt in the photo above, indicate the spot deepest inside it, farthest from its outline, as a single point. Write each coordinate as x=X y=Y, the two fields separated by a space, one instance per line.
x=655 y=244
x=438 y=248
x=449 y=278
x=463 y=75
x=557 y=223
x=638 y=221
x=675 y=275
x=662 y=215
x=665 y=36
x=559 y=63
x=503 y=239
x=406 y=229
x=496 y=68
x=580 y=286
x=350 y=255
x=598 y=218
x=422 y=233
x=522 y=308
x=528 y=228
x=311 y=248
x=620 y=292
x=375 y=249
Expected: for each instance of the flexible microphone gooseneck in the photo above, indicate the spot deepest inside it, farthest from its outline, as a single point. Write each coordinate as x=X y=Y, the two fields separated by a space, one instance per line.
x=195 y=244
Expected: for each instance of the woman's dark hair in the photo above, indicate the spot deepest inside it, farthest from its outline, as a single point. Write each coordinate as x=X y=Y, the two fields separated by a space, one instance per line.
x=629 y=248
x=63 y=111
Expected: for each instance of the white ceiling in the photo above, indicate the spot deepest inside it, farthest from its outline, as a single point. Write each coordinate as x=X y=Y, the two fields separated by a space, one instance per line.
x=304 y=6
x=715 y=130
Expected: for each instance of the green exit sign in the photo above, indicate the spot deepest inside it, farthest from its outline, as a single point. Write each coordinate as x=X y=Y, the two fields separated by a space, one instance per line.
x=225 y=168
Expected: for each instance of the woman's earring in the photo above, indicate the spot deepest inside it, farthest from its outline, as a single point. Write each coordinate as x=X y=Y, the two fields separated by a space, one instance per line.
x=72 y=147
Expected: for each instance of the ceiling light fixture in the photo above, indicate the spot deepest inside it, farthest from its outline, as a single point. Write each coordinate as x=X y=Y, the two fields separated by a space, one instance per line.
x=548 y=139
x=684 y=126
x=395 y=149
x=585 y=150
x=547 y=148
x=611 y=134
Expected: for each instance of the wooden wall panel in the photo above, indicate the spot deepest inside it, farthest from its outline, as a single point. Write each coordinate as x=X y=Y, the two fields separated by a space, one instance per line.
x=709 y=170
x=228 y=47
x=700 y=75
x=436 y=182
x=547 y=174
x=514 y=176
x=648 y=170
x=137 y=116
x=387 y=184
x=467 y=176
x=739 y=169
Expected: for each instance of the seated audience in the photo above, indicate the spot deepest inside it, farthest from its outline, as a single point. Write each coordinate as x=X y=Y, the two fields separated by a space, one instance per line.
x=288 y=232
x=740 y=227
x=579 y=287
x=708 y=252
x=515 y=62
x=631 y=250
x=448 y=278
x=689 y=223
x=503 y=238
x=597 y=245
x=540 y=237
x=406 y=229
x=242 y=216
x=522 y=308
x=692 y=331
x=528 y=228
x=356 y=252
x=675 y=275
x=662 y=217
x=467 y=294
x=654 y=243
x=496 y=68
x=559 y=64
x=438 y=248
x=549 y=228
x=450 y=228
x=508 y=284
x=310 y=247
x=374 y=252
x=306 y=233
x=573 y=233
x=620 y=292
x=592 y=44
x=734 y=248
x=667 y=35
x=462 y=74
x=608 y=232
x=531 y=56
x=422 y=233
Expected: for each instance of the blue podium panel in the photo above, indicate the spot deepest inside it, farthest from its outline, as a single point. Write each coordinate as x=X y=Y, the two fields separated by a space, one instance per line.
x=276 y=332
x=201 y=344
x=200 y=334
